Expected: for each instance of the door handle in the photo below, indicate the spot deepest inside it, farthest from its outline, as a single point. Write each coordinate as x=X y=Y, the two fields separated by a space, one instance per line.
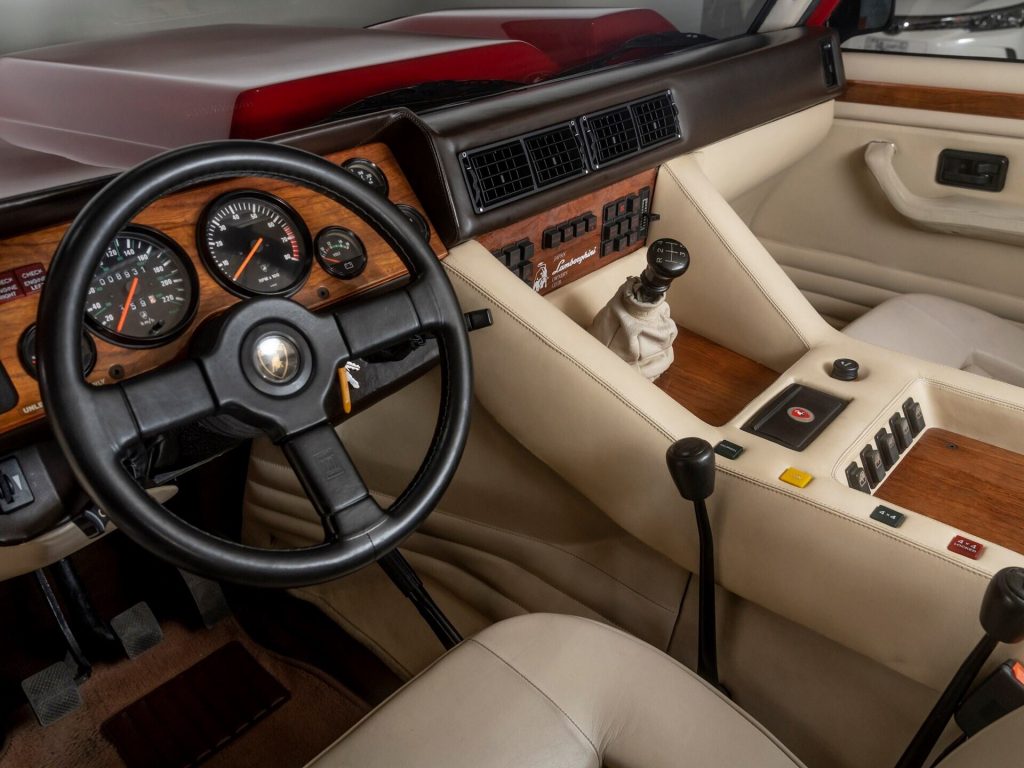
x=951 y=214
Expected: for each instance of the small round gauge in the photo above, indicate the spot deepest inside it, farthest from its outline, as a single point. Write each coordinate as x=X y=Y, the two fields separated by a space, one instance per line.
x=340 y=252
x=143 y=291
x=254 y=244
x=30 y=361
x=367 y=172
x=417 y=220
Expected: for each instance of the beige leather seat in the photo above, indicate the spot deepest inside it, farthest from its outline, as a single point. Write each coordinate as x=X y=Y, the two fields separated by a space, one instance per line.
x=559 y=692
x=946 y=332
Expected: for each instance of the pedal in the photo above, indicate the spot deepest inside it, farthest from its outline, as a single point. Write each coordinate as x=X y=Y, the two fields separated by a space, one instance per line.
x=137 y=629
x=52 y=692
x=208 y=597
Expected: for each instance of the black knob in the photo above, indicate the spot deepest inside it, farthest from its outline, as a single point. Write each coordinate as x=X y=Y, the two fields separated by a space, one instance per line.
x=1002 y=609
x=845 y=369
x=691 y=462
x=667 y=259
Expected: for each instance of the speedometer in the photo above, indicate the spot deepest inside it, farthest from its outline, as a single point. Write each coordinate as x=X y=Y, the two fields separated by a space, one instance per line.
x=143 y=291
x=254 y=244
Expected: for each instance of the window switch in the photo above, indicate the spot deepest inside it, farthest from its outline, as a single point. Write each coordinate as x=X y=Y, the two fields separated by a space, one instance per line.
x=886 y=445
x=551 y=237
x=872 y=461
x=857 y=478
x=15 y=492
x=914 y=414
x=901 y=431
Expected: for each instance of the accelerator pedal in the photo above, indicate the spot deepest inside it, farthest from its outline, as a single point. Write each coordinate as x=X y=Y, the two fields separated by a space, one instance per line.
x=137 y=629
x=208 y=598
x=52 y=692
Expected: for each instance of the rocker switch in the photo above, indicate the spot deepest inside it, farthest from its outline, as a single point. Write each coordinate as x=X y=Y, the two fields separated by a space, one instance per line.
x=914 y=414
x=857 y=478
x=15 y=492
x=901 y=431
x=873 y=466
x=887 y=447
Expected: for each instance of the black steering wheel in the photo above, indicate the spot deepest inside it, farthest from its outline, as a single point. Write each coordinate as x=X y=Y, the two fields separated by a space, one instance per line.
x=231 y=370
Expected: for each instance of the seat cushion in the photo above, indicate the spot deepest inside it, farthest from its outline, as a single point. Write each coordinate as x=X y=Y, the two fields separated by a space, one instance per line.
x=947 y=332
x=560 y=692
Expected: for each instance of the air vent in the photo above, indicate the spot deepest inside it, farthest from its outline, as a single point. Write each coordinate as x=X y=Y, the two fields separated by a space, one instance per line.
x=497 y=174
x=610 y=135
x=656 y=120
x=556 y=154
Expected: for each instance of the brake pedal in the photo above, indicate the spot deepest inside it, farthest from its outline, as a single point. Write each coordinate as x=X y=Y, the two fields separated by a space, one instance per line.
x=52 y=692
x=208 y=598
x=137 y=629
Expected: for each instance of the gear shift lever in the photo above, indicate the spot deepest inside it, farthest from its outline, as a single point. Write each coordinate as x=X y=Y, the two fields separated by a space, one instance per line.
x=691 y=462
x=1002 y=618
x=636 y=324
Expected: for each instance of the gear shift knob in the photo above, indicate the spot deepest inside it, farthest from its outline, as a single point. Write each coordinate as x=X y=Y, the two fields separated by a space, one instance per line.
x=667 y=259
x=1002 y=609
x=691 y=462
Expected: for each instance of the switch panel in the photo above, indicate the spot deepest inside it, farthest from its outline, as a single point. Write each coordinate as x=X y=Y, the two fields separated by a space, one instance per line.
x=566 y=231
x=625 y=222
x=516 y=256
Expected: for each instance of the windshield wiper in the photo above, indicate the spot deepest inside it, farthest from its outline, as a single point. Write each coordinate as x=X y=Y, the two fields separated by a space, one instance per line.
x=425 y=96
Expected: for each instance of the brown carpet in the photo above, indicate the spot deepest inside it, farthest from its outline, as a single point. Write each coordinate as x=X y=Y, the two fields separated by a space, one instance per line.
x=318 y=712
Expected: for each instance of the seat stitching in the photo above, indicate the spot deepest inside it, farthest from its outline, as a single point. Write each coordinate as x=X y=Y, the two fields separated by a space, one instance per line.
x=528 y=681
x=660 y=429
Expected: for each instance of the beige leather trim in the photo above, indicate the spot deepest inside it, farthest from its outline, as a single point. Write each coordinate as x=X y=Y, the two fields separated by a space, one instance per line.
x=952 y=72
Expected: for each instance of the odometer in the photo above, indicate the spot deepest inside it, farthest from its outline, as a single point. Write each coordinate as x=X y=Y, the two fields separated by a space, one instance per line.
x=143 y=291
x=254 y=244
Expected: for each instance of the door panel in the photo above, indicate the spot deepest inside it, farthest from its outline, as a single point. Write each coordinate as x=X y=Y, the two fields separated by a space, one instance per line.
x=829 y=224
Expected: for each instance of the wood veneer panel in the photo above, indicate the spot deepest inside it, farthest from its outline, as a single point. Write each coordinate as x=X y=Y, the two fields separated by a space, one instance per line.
x=963 y=101
x=582 y=255
x=712 y=382
x=975 y=487
x=177 y=216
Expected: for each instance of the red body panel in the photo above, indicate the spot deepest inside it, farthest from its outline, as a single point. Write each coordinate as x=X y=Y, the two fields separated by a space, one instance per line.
x=571 y=37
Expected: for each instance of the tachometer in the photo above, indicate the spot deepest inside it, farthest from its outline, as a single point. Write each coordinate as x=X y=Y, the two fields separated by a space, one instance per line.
x=254 y=244
x=143 y=291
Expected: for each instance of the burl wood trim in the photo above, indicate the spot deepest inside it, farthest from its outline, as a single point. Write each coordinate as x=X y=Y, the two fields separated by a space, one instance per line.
x=975 y=487
x=712 y=382
x=570 y=261
x=959 y=100
x=177 y=216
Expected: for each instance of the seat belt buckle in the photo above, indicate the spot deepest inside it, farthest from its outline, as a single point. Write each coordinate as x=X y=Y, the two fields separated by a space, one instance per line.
x=1000 y=694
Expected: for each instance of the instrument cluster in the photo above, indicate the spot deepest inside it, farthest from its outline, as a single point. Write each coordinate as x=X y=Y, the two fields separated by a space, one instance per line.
x=145 y=290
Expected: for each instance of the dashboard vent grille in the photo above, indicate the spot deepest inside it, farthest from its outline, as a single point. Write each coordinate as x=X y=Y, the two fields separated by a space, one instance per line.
x=556 y=155
x=656 y=120
x=611 y=135
x=498 y=173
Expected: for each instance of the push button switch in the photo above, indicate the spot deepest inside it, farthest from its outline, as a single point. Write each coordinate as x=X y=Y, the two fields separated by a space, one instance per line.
x=887 y=516
x=796 y=477
x=966 y=547
x=728 y=449
x=14 y=489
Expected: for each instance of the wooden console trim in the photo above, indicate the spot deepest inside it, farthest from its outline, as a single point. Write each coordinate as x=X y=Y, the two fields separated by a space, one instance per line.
x=566 y=263
x=712 y=382
x=935 y=99
x=972 y=486
x=177 y=216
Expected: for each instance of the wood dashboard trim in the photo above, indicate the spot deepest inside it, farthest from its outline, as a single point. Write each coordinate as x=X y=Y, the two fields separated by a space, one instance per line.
x=935 y=99
x=177 y=216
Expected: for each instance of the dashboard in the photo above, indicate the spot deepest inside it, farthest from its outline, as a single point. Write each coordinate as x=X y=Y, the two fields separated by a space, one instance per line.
x=192 y=255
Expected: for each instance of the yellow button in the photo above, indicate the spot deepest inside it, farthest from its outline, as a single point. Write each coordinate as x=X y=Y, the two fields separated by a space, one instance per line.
x=796 y=477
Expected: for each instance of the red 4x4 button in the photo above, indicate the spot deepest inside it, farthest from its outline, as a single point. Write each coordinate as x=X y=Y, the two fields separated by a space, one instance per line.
x=966 y=547
x=804 y=416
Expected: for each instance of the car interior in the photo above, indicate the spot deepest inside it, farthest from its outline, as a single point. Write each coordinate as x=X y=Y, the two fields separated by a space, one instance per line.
x=471 y=387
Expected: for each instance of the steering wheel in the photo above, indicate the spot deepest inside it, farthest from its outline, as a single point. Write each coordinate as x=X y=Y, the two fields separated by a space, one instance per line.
x=231 y=371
